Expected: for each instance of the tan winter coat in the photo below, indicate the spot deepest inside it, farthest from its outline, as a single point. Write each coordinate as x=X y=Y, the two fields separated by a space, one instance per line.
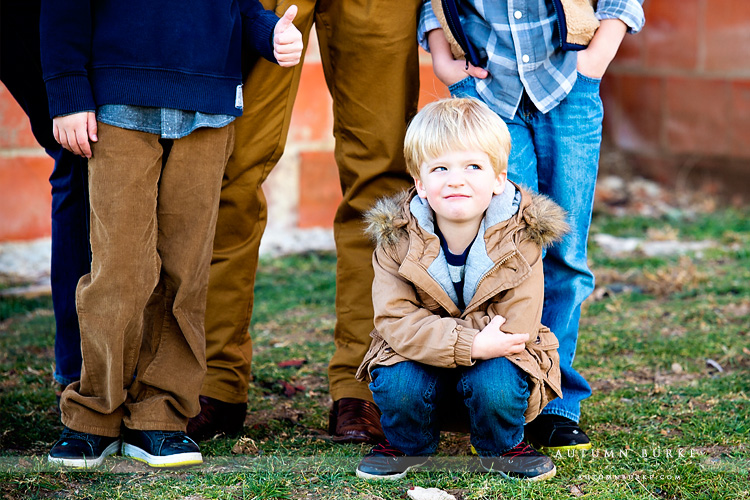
x=415 y=318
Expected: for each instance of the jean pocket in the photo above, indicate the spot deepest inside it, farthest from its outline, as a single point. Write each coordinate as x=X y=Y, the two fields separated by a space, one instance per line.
x=588 y=80
x=464 y=88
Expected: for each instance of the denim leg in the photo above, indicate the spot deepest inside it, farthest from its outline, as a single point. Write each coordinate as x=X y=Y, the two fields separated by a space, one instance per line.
x=568 y=145
x=522 y=162
x=71 y=259
x=496 y=393
x=407 y=394
x=21 y=73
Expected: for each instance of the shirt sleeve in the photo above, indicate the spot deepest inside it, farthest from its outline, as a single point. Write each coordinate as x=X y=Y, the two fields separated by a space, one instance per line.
x=628 y=11
x=66 y=32
x=257 y=28
x=427 y=22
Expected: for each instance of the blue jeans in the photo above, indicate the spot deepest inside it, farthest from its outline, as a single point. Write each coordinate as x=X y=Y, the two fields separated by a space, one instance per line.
x=21 y=73
x=557 y=154
x=412 y=396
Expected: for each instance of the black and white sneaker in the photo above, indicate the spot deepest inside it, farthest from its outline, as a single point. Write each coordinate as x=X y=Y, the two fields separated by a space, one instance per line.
x=521 y=462
x=83 y=450
x=550 y=432
x=386 y=462
x=161 y=448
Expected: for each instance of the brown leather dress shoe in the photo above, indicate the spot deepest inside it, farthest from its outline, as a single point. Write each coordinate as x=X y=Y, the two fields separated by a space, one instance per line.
x=353 y=420
x=216 y=417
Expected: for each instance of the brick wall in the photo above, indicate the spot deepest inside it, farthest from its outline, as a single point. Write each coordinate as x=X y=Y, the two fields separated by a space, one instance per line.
x=24 y=171
x=677 y=102
x=677 y=97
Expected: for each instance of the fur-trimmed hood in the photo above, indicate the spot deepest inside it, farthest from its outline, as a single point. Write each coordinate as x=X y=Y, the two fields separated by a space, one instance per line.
x=544 y=219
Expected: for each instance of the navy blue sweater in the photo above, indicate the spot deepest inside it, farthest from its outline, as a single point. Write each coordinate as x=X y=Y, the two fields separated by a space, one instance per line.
x=180 y=54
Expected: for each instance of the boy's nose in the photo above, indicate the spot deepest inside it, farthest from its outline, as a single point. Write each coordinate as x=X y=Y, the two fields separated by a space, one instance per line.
x=456 y=178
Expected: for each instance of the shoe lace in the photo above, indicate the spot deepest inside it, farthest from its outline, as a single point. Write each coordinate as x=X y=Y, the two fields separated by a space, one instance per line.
x=385 y=448
x=522 y=449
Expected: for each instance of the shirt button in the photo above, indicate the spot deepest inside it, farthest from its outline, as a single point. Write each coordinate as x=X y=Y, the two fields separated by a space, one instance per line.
x=525 y=58
x=518 y=14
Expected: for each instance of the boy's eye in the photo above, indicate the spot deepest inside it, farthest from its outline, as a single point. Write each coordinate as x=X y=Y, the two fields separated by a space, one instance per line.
x=474 y=166
x=439 y=168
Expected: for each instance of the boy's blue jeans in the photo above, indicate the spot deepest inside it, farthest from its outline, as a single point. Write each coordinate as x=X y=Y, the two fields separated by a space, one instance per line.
x=21 y=73
x=412 y=397
x=557 y=154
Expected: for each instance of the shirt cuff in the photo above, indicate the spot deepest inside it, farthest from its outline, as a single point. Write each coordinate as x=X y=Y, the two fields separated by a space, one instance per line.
x=427 y=22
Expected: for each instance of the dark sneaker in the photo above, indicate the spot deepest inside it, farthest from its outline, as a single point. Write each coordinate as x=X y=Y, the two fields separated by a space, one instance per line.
x=216 y=417
x=161 y=448
x=80 y=449
x=522 y=462
x=386 y=462
x=555 y=433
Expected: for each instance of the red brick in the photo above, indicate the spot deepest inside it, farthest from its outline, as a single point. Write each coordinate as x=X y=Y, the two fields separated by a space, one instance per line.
x=727 y=35
x=312 y=117
x=671 y=34
x=25 y=197
x=633 y=112
x=319 y=189
x=697 y=111
x=739 y=119
x=15 y=131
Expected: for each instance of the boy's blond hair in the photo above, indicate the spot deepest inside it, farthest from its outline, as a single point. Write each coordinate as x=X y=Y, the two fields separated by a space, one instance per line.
x=456 y=124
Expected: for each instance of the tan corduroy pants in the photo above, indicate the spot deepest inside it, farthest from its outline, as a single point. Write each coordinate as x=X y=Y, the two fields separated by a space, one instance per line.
x=141 y=309
x=369 y=55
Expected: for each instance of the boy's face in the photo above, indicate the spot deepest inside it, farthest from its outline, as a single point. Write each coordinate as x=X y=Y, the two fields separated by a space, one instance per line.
x=459 y=186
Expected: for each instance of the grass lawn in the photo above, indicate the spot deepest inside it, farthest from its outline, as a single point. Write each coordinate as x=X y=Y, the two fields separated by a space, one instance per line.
x=665 y=344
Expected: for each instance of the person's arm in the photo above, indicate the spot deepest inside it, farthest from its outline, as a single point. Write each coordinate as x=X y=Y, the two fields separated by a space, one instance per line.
x=271 y=37
x=409 y=328
x=594 y=59
x=66 y=31
x=617 y=18
x=447 y=69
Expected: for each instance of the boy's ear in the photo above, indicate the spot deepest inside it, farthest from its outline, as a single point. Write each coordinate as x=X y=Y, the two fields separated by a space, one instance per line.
x=500 y=183
x=421 y=191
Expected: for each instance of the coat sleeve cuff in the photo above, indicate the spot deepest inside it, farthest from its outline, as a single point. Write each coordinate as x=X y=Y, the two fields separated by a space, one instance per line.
x=69 y=94
x=463 y=345
x=258 y=33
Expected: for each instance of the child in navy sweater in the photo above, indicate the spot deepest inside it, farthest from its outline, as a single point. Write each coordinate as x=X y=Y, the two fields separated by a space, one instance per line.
x=148 y=90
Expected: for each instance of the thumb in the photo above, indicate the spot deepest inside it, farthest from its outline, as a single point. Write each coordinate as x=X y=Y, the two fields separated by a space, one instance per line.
x=477 y=72
x=286 y=20
x=498 y=321
x=91 y=125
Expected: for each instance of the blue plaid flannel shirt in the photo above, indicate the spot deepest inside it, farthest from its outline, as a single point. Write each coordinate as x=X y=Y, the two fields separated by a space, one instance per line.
x=520 y=37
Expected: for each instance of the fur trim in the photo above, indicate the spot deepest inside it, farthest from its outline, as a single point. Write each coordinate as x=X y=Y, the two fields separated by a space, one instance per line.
x=545 y=220
x=580 y=20
x=385 y=222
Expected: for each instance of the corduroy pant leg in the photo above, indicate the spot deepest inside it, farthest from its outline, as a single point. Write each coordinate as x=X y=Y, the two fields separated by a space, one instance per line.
x=124 y=174
x=261 y=133
x=371 y=66
x=172 y=360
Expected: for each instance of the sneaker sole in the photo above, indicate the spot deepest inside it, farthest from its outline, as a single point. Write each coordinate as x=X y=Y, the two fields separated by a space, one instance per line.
x=541 y=477
x=86 y=463
x=178 y=460
x=583 y=446
x=391 y=477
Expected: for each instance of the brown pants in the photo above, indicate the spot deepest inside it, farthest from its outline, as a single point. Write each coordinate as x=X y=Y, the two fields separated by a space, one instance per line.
x=141 y=309
x=369 y=55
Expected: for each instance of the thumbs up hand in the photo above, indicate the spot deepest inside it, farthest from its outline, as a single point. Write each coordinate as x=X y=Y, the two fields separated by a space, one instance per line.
x=287 y=40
